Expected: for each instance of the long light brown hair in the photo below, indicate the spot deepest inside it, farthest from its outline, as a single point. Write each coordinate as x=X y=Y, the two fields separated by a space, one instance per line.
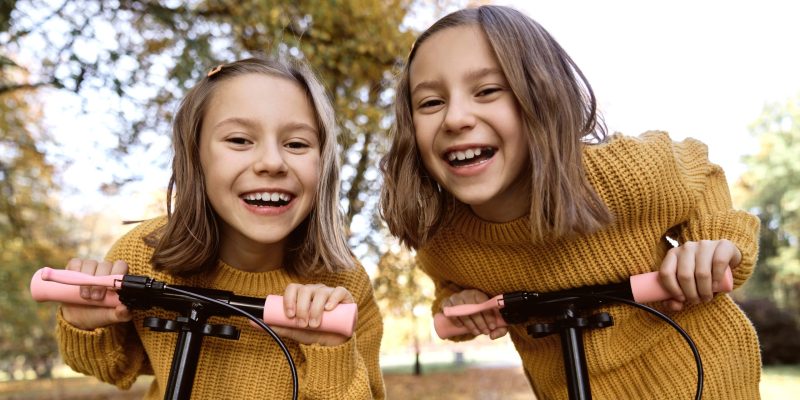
x=189 y=242
x=559 y=113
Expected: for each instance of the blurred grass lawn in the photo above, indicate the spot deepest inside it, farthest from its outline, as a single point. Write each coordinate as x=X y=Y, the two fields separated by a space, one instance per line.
x=456 y=382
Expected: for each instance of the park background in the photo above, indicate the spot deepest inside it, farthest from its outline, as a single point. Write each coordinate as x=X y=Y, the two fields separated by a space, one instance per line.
x=88 y=89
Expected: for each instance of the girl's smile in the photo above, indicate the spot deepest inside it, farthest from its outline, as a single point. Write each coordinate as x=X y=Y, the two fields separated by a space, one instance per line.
x=468 y=160
x=268 y=202
x=467 y=124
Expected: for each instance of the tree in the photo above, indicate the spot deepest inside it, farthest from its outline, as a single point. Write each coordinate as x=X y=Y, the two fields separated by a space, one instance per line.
x=145 y=54
x=403 y=291
x=32 y=234
x=772 y=191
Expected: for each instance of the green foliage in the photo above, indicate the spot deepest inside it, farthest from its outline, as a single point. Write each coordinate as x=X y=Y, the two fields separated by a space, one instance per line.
x=145 y=54
x=772 y=190
x=31 y=236
x=400 y=286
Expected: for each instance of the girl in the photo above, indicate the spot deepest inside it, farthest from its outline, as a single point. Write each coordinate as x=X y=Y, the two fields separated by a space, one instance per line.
x=501 y=176
x=255 y=178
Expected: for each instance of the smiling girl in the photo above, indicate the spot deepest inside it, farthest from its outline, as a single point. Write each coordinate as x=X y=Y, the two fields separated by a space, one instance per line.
x=254 y=212
x=503 y=179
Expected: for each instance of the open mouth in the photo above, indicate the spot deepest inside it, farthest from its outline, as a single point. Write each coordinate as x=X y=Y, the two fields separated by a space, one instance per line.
x=267 y=199
x=474 y=156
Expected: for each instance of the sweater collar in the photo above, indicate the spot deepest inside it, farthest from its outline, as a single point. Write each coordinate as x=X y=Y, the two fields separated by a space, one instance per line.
x=469 y=225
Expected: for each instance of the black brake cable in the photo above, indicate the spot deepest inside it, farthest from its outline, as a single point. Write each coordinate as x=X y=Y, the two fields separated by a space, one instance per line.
x=258 y=321
x=662 y=316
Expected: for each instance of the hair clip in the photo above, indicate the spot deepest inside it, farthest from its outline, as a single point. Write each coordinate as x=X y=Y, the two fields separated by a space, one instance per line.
x=214 y=70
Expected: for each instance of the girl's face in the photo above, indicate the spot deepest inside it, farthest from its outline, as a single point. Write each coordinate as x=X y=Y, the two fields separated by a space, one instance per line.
x=260 y=153
x=467 y=124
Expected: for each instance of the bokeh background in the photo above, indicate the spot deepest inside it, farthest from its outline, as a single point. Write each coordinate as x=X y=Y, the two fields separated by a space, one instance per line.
x=88 y=90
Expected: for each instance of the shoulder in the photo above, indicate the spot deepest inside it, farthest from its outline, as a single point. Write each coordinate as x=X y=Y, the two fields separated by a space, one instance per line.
x=134 y=246
x=354 y=279
x=650 y=150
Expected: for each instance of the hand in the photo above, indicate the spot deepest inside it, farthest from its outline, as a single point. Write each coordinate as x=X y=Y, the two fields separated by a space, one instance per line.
x=689 y=270
x=484 y=322
x=91 y=317
x=305 y=304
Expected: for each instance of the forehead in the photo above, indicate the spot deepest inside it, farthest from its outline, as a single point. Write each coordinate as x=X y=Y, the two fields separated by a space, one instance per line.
x=260 y=96
x=450 y=53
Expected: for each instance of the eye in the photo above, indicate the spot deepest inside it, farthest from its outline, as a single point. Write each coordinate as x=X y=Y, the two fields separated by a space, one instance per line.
x=297 y=144
x=238 y=140
x=431 y=103
x=488 y=91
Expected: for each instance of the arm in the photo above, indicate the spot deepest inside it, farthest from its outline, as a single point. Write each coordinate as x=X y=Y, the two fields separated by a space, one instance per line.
x=349 y=370
x=713 y=236
x=110 y=351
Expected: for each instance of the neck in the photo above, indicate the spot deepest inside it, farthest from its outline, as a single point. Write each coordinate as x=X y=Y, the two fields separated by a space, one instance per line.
x=260 y=258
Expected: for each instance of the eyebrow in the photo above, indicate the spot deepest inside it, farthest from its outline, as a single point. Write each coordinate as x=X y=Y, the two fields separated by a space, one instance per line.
x=251 y=124
x=470 y=75
x=237 y=121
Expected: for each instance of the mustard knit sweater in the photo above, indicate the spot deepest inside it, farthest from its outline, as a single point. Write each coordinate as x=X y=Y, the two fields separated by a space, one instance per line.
x=249 y=368
x=652 y=186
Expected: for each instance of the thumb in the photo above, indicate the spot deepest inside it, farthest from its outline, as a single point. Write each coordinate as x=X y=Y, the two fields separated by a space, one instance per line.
x=122 y=314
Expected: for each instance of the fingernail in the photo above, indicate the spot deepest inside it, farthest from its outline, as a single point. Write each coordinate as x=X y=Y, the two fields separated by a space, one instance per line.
x=492 y=326
x=290 y=312
x=85 y=293
x=301 y=323
x=313 y=323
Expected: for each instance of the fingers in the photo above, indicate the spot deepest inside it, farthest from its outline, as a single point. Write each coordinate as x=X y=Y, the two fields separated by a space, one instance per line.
x=481 y=323
x=702 y=271
x=726 y=255
x=498 y=333
x=307 y=303
x=667 y=275
x=689 y=271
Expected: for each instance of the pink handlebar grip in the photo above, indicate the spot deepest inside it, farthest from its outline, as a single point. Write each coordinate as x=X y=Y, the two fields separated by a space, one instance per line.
x=646 y=288
x=42 y=289
x=63 y=286
x=447 y=329
x=340 y=320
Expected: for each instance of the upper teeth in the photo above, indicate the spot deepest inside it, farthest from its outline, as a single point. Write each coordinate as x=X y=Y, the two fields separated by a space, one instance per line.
x=463 y=155
x=267 y=196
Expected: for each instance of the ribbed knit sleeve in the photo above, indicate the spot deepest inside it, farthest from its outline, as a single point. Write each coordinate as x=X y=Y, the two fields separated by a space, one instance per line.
x=350 y=370
x=713 y=216
x=112 y=354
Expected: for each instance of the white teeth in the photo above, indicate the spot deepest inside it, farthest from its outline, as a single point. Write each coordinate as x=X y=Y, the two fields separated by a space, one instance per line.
x=268 y=196
x=463 y=155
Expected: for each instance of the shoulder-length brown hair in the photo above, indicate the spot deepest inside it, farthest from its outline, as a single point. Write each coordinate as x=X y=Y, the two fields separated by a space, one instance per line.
x=559 y=113
x=189 y=242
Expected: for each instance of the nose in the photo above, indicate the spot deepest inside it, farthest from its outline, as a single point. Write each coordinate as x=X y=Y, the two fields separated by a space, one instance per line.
x=459 y=116
x=270 y=160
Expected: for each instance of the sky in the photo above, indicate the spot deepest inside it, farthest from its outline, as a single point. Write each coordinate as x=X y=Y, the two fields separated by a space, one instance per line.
x=702 y=69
